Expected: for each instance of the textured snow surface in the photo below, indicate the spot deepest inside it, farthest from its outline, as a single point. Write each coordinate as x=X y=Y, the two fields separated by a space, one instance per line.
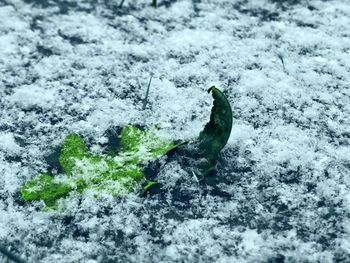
x=282 y=192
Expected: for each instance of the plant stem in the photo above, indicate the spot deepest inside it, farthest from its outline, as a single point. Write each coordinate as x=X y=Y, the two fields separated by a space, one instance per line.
x=121 y=3
x=145 y=100
x=281 y=58
x=154 y=3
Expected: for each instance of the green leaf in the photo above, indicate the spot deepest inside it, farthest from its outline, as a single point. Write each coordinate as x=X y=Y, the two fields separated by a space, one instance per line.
x=144 y=145
x=216 y=132
x=149 y=185
x=116 y=175
x=130 y=138
x=73 y=149
x=44 y=188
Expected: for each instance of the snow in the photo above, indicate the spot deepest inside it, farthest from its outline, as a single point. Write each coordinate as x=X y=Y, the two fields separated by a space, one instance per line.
x=281 y=193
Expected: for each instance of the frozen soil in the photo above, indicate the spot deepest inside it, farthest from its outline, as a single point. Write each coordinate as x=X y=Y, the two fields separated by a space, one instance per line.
x=282 y=188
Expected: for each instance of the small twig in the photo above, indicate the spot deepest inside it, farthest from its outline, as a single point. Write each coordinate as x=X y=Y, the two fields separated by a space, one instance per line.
x=145 y=100
x=121 y=3
x=10 y=255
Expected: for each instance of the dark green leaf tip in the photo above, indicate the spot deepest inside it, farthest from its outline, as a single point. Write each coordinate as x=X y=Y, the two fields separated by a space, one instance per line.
x=217 y=131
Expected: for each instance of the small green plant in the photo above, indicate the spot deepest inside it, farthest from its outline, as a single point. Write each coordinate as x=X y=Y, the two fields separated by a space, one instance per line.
x=122 y=173
x=84 y=171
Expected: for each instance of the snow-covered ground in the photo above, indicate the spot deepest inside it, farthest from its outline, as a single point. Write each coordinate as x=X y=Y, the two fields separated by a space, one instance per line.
x=282 y=192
